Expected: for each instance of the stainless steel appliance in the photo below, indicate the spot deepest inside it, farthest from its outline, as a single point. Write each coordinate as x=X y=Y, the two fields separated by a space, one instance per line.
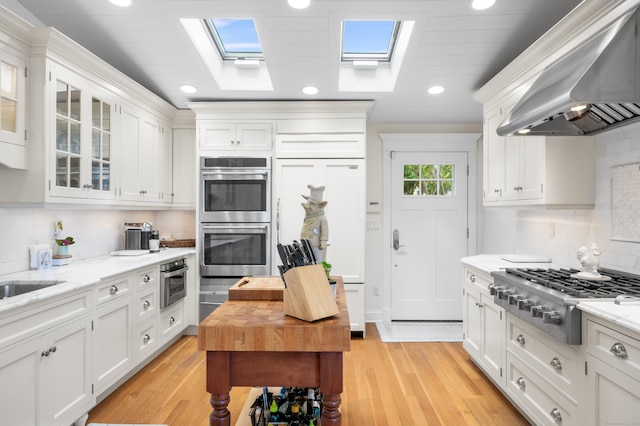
x=235 y=189
x=547 y=298
x=173 y=282
x=137 y=235
x=213 y=293
x=235 y=249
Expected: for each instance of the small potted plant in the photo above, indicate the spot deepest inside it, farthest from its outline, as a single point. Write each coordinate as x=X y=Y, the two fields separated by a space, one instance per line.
x=63 y=245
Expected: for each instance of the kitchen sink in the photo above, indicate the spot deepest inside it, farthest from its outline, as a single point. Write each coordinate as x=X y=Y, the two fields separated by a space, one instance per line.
x=18 y=287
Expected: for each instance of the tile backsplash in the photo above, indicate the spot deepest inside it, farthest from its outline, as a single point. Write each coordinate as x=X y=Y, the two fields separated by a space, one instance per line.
x=559 y=233
x=97 y=232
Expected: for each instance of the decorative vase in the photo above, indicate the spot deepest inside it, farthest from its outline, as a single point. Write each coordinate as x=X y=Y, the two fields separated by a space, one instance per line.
x=63 y=250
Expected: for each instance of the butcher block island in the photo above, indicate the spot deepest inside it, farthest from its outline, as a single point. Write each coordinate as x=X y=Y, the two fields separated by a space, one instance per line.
x=254 y=343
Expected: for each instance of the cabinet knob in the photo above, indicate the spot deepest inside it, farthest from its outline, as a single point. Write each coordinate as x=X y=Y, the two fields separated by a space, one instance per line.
x=556 y=363
x=521 y=384
x=51 y=350
x=146 y=278
x=472 y=278
x=520 y=339
x=619 y=350
x=556 y=415
x=113 y=290
x=146 y=304
x=146 y=338
x=172 y=320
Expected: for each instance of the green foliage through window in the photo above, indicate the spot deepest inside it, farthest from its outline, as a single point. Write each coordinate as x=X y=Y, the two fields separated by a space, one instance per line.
x=429 y=179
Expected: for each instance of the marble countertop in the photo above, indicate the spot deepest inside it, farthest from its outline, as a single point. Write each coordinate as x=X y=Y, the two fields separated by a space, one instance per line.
x=83 y=273
x=626 y=314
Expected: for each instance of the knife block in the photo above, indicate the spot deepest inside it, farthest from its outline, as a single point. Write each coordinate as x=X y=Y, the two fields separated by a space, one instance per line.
x=308 y=295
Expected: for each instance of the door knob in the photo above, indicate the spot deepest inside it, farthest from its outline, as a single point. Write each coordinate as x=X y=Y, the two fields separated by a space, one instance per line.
x=396 y=240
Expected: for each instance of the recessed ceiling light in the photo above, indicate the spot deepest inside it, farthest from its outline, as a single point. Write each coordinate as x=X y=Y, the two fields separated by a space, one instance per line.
x=186 y=88
x=299 y=4
x=435 y=90
x=310 y=90
x=121 y=3
x=482 y=4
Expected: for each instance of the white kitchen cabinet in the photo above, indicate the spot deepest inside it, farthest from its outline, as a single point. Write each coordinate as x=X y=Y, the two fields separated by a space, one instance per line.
x=613 y=372
x=144 y=157
x=49 y=367
x=145 y=340
x=13 y=111
x=535 y=170
x=81 y=129
x=184 y=168
x=217 y=135
x=545 y=377
x=355 y=303
x=344 y=181
x=113 y=332
x=483 y=324
x=172 y=321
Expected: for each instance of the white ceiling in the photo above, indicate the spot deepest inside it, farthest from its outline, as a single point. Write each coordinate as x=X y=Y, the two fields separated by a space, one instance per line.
x=452 y=46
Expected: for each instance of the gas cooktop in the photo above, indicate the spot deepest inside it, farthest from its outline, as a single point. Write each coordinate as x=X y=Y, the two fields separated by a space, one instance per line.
x=562 y=281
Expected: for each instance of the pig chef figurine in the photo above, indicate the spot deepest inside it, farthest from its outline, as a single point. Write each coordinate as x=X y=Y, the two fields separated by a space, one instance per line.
x=315 y=227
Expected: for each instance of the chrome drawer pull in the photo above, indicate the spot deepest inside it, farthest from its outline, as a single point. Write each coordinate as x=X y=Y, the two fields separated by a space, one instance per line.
x=146 y=304
x=520 y=339
x=172 y=320
x=146 y=339
x=618 y=349
x=113 y=289
x=521 y=384
x=146 y=278
x=556 y=415
x=556 y=363
x=472 y=278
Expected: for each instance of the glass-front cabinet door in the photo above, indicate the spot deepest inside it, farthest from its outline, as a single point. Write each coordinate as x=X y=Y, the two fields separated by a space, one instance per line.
x=12 y=110
x=83 y=139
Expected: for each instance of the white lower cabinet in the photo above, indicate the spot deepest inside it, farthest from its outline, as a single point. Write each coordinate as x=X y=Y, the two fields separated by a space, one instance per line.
x=355 y=303
x=172 y=321
x=613 y=374
x=544 y=376
x=483 y=324
x=49 y=372
x=145 y=340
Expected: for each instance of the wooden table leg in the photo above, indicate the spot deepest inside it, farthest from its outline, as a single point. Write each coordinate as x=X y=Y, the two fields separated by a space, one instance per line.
x=218 y=385
x=331 y=387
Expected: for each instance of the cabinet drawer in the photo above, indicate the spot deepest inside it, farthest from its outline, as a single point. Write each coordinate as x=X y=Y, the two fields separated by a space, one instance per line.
x=556 y=362
x=146 y=304
x=615 y=348
x=23 y=323
x=532 y=393
x=112 y=289
x=145 y=340
x=349 y=145
x=172 y=321
x=147 y=277
x=482 y=281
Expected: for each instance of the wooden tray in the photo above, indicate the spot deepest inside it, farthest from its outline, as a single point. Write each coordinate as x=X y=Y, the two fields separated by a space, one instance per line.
x=257 y=288
x=178 y=243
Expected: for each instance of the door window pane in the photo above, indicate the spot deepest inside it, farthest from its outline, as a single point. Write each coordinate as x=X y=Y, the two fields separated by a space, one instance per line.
x=429 y=179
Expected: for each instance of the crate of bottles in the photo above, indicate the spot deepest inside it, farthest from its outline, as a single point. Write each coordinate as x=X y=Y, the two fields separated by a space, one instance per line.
x=289 y=407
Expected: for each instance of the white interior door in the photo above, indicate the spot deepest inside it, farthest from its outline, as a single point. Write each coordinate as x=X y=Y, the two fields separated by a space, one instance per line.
x=430 y=231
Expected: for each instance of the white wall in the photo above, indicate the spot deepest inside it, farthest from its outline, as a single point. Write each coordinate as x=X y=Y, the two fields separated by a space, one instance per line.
x=559 y=233
x=97 y=232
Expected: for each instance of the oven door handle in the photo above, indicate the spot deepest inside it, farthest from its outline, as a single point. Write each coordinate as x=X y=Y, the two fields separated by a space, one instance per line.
x=175 y=273
x=234 y=228
x=235 y=175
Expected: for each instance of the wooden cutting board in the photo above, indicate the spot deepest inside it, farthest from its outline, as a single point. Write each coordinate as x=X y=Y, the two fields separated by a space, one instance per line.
x=257 y=288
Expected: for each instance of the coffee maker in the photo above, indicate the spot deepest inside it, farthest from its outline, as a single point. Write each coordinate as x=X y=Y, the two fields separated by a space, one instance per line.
x=137 y=235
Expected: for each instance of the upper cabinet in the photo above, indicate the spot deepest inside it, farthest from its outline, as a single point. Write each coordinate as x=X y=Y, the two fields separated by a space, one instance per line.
x=235 y=136
x=535 y=170
x=93 y=137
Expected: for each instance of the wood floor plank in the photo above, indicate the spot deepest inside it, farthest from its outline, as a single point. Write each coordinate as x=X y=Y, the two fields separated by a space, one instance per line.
x=386 y=384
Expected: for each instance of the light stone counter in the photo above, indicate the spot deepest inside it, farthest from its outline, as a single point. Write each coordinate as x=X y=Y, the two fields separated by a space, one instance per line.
x=494 y=262
x=83 y=273
x=626 y=314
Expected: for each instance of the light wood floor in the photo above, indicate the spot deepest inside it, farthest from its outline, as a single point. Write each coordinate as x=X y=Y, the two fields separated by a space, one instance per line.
x=384 y=384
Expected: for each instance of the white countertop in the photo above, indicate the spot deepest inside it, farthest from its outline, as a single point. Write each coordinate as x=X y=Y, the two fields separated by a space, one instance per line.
x=626 y=314
x=84 y=273
x=494 y=262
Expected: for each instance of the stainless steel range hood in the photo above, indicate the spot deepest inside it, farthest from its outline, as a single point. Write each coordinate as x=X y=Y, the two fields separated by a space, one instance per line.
x=602 y=74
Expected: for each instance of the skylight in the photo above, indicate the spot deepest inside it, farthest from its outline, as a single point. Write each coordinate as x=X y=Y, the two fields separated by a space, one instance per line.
x=235 y=38
x=369 y=40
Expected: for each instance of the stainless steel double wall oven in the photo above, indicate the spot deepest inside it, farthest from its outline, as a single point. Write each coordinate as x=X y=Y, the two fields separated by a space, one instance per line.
x=235 y=224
